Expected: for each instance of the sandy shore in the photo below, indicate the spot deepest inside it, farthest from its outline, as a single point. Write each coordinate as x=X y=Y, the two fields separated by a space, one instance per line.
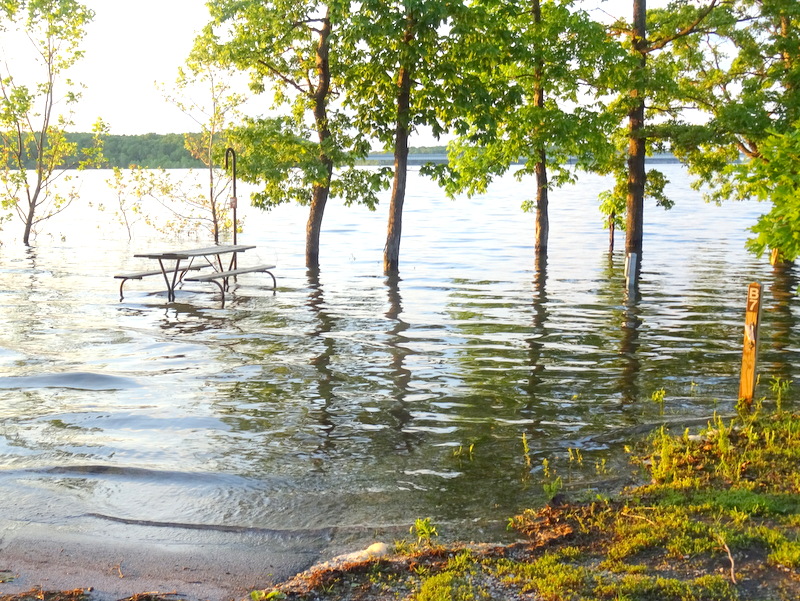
x=210 y=566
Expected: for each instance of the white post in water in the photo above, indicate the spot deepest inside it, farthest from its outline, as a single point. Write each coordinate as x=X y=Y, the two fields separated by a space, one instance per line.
x=752 y=319
x=630 y=270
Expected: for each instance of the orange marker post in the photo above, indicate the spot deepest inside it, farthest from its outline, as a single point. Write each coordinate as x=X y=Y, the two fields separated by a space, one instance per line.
x=752 y=320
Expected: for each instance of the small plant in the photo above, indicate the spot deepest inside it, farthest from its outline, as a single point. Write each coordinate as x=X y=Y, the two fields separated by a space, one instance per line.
x=526 y=450
x=658 y=397
x=267 y=596
x=552 y=488
x=467 y=453
x=425 y=530
x=575 y=456
x=779 y=388
x=552 y=483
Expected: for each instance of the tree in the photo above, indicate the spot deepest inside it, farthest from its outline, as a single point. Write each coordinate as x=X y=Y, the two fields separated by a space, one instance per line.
x=541 y=68
x=744 y=76
x=396 y=64
x=650 y=93
x=205 y=94
x=31 y=126
x=285 y=46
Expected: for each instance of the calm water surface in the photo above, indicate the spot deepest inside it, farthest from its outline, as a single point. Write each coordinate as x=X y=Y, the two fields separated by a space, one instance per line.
x=350 y=400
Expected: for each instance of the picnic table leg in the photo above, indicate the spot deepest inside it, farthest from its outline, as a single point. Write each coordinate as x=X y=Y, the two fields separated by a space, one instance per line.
x=170 y=285
x=221 y=290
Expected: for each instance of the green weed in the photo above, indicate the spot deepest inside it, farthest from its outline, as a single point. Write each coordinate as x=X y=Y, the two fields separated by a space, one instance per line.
x=779 y=388
x=424 y=530
x=659 y=397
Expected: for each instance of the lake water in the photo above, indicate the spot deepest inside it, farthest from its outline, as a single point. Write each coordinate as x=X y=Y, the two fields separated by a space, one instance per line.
x=345 y=404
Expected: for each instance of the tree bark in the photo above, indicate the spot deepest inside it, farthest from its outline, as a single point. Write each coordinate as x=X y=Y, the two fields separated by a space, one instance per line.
x=320 y=191
x=636 y=147
x=391 y=252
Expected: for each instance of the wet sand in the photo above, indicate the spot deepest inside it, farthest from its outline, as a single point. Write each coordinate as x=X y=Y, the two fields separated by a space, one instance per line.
x=214 y=569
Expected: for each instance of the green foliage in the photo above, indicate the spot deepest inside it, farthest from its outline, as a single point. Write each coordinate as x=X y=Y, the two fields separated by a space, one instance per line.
x=518 y=95
x=744 y=79
x=773 y=177
x=310 y=150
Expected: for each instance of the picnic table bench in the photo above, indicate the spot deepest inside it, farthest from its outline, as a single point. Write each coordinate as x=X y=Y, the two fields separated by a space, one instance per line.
x=225 y=275
x=175 y=273
x=138 y=275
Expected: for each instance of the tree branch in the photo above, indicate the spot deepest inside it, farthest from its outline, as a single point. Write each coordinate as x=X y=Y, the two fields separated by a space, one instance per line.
x=691 y=28
x=282 y=76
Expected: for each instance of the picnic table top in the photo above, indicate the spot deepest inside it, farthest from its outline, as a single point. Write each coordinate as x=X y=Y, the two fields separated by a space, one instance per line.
x=196 y=252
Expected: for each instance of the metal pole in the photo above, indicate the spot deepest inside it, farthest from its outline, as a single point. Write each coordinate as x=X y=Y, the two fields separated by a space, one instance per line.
x=230 y=152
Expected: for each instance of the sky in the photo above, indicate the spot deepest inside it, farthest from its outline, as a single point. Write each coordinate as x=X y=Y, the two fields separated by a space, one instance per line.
x=129 y=47
x=132 y=45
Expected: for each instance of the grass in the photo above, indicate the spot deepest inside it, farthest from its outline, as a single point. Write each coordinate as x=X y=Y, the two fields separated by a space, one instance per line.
x=718 y=519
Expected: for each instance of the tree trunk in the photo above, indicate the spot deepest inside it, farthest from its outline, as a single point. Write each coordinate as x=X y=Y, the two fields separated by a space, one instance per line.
x=391 y=252
x=636 y=146
x=26 y=237
x=319 y=197
x=30 y=216
x=319 y=194
x=542 y=218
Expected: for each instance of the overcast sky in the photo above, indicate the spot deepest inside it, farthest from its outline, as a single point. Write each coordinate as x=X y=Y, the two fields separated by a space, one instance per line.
x=132 y=45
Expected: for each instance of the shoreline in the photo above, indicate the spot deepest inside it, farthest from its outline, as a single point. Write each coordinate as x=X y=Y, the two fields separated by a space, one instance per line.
x=110 y=569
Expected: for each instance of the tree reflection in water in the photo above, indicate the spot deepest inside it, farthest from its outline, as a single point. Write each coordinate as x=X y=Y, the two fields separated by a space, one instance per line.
x=400 y=373
x=326 y=381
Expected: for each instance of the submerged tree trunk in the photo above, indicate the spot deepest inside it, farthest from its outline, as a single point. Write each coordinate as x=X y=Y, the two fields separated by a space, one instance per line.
x=391 y=253
x=319 y=194
x=636 y=146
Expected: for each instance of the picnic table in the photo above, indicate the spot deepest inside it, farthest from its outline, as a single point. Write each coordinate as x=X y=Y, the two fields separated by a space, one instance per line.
x=175 y=264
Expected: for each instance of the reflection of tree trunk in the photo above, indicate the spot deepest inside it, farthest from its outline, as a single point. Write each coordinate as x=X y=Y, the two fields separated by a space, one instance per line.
x=629 y=349
x=539 y=320
x=400 y=373
x=636 y=145
x=783 y=287
x=325 y=382
x=391 y=253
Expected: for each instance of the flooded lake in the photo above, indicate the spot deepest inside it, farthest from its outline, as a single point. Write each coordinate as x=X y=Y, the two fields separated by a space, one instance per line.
x=347 y=404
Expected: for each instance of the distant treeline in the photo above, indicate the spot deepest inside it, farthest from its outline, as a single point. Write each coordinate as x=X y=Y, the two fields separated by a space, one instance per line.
x=164 y=151
x=152 y=151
